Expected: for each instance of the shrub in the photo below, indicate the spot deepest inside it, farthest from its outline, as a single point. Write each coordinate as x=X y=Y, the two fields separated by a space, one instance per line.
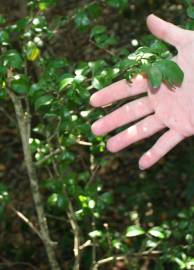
x=65 y=162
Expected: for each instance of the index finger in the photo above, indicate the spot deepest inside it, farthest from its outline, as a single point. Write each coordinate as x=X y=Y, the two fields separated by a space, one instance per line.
x=119 y=90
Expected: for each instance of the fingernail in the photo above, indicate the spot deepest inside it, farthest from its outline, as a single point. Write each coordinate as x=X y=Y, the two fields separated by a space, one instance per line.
x=92 y=100
x=142 y=168
x=93 y=127
x=96 y=128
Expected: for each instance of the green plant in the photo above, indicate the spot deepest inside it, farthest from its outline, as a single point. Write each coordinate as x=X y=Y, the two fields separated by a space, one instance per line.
x=50 y=95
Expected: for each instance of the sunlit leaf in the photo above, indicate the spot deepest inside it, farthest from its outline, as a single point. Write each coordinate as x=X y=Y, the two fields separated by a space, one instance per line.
x=20 y=84
x=157 y=232
x=134 y=230
x=43 y=101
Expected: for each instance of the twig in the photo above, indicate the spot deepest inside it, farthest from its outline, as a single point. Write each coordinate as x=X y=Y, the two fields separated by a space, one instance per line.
x=83 y=143
x=93 y=245
x=57 y=218
x=72 y=219
x=74 y=225
x=25 y=220
x=109 y=238
x=86 y=244
x=76 y=232
x=125 y=257
x=52 y=154
x=93 y=174
x=55 y=133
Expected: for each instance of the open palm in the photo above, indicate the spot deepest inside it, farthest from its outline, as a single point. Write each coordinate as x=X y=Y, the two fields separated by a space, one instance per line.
x=159 y=109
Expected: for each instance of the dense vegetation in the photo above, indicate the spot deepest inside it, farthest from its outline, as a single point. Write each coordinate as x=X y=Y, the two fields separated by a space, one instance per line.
x=70 y=204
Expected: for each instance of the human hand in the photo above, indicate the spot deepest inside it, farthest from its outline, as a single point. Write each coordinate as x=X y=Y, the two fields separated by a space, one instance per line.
x=161 y=108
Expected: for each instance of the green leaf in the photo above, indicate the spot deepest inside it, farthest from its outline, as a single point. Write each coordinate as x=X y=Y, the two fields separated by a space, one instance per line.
x=134 y=230
x=155 y=76
x=65 y=80
x=190 y=12
x=82 y=20
x=143 y=49
x=117 y=3
x=189 y=238
x=126 y=64
x=97 y=66
x=105 y=40
x=20 y=84
x=51 y=185
x=43 y=5
x=190 y=25
x=157 y=232
x=43 y=101
x=3 y=70
x=94 y=11
x=158 y=47
x=4 y=37
x=84 y=201
x=105 y=199
x=57 y=200
x=13 y=59
x=4 y=195
x=117 y=244
x=95 y=234
x=98 y=29
x=100 y=82
x=57 y=63
x=20 y=26
x=171 y=72
x=3 y=93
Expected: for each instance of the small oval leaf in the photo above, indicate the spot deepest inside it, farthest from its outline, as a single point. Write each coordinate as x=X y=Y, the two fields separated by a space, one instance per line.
x=134 y=230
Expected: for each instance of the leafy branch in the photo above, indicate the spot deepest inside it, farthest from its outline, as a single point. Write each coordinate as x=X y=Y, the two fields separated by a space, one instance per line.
x=23 y=120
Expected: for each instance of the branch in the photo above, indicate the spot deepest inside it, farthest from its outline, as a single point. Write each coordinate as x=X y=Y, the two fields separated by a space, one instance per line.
x=88 y=243
x=55 y=152
x=125 y=257
x=57 y=218
x=83 y=143
x=31 y=170
x=76 y=232
x=28 y=118
x=25 y=220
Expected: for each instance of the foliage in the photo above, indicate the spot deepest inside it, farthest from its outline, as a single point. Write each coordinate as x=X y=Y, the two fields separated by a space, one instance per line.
x=58 y=90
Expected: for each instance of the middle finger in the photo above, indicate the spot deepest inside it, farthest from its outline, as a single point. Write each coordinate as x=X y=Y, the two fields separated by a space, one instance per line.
x=126 y=114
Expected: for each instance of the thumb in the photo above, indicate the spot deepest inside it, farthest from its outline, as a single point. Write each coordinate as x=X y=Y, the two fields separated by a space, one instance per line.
x=165 y=31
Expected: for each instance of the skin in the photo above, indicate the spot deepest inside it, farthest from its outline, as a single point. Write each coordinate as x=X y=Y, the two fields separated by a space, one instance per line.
x=162 y=109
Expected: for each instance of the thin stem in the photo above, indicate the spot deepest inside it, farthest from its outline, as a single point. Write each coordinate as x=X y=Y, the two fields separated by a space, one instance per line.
x=126 y=257
x=26 y=220
x=76 y=232
x=52 y=154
